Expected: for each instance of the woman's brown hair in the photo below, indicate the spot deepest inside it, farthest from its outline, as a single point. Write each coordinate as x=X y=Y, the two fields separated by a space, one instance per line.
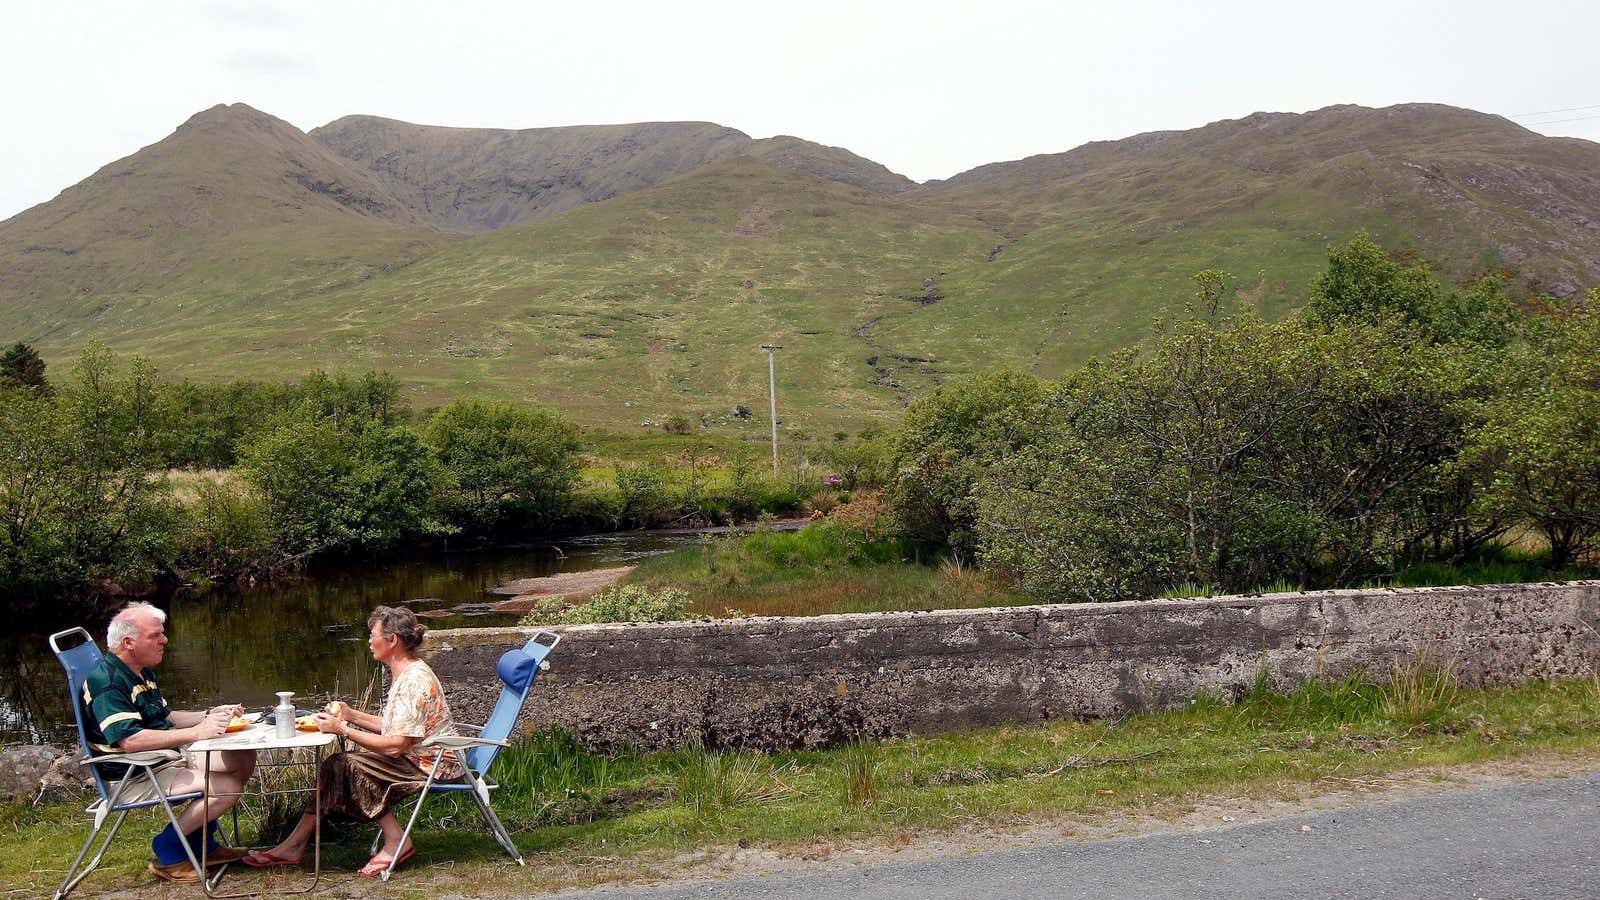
x=401 y=624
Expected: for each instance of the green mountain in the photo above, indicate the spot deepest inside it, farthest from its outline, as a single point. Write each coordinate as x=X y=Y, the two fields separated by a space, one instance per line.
x=644 y=265
x=234 y=209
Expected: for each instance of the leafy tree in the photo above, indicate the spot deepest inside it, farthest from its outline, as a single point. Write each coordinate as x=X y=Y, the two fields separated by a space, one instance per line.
x=1231 y=453
x=202 y=425
x=643 y=493
x=21 y=366
x=77 y=500
x=1537 y=447
x=944 y=445
x=1483 y=314
x=1363 y=284
x=500 y=458
x=348 y=401
x=327 y=487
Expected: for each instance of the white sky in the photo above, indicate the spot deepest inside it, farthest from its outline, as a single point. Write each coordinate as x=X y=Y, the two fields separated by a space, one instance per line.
x=928 y=88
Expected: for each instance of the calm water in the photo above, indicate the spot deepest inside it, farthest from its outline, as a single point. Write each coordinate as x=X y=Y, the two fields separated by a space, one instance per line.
x=306 y=634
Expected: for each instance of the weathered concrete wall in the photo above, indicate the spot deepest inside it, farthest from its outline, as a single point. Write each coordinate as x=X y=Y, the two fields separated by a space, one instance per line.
x=769 y=682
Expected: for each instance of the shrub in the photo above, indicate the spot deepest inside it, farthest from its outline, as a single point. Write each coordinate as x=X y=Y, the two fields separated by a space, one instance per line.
x=1233 y=453
x=626 y=603
x=504 y=461
x=227 y=529
x=643 y=493
x=329 y=488
x=77 y=494
x=946 y=443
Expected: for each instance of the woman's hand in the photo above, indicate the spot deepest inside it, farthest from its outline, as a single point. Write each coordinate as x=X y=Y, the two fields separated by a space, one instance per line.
x=337 y=709
x=328 y=724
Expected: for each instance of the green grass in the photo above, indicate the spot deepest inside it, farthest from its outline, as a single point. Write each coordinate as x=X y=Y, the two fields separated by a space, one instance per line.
x=586 y=818
x=822 y=569
x=818 y=570
x=1496 y=564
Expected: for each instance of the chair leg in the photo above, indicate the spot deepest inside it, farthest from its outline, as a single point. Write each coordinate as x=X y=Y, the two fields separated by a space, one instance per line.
x=69 y=882
x=172 y=816
x=498 y=829
x=422 y=797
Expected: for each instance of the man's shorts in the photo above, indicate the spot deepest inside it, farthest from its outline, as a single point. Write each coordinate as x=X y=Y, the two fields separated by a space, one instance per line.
x=139 y=788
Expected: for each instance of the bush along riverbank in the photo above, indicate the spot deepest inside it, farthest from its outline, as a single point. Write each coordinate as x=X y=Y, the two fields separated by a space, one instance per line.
x=95 y=501
x=1396 y=423
x=585 y=818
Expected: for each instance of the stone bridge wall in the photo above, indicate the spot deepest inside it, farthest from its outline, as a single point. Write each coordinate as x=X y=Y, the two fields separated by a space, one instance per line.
x=813 y=681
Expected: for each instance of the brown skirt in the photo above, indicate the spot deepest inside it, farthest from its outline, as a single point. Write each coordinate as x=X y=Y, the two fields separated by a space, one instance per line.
x=361 y=785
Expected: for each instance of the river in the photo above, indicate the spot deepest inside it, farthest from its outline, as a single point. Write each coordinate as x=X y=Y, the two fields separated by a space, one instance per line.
x=306 y=634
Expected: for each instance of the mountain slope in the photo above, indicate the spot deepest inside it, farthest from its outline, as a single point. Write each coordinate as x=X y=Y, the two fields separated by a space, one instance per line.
x=1468 y=189
x=655 y=300
x=478 y=179
x=235 y=206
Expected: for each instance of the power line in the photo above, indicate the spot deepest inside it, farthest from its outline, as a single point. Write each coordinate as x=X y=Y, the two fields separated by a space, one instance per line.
x=1557 y=121
x=1551 y=112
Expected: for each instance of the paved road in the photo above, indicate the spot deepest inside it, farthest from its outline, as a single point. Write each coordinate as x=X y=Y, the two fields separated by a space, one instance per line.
x=1535 y=840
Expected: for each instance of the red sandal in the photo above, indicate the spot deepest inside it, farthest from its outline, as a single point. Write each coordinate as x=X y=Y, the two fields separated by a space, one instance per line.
x=376 y=865
x=261 y=859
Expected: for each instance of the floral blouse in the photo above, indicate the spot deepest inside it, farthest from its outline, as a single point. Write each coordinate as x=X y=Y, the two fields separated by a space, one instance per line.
x=417 y=708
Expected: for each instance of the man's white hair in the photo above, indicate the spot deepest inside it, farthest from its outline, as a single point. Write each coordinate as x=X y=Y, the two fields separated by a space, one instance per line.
x=126 y=623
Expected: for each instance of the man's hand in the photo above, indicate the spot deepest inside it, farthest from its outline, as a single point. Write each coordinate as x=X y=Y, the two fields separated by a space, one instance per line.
x=228 y=709
x=215 y=724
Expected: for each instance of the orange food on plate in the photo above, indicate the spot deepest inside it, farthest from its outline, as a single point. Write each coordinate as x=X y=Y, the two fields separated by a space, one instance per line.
x=306 y=723
x=238 y=725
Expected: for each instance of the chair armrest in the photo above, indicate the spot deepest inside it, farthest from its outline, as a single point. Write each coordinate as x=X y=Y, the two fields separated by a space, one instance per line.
x=460 y=742
x=470 y=727
x=139 y=758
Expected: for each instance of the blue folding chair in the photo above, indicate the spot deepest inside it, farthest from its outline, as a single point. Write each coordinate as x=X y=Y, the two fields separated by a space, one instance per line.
x=517 y=670
x=79 y=661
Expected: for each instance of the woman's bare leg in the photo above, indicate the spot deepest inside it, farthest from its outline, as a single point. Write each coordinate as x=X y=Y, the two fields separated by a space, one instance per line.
x=392 y=833
x=294 y=846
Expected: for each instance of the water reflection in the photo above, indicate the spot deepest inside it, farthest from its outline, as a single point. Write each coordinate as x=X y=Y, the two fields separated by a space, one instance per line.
x=306 y=635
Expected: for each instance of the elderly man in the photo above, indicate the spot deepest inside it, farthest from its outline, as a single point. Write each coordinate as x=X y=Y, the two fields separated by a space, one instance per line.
x=125 y=712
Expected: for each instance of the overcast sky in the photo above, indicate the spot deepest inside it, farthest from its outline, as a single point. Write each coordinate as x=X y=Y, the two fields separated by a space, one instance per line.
x=926 y=88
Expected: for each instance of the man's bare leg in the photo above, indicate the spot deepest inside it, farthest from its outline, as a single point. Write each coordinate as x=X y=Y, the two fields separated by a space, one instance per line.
x=229 y=772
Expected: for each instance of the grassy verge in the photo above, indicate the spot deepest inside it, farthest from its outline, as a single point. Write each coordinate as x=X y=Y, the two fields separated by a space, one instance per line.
x=584 y=818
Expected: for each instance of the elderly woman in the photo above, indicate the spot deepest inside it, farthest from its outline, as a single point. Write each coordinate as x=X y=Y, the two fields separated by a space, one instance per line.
x=387 y=765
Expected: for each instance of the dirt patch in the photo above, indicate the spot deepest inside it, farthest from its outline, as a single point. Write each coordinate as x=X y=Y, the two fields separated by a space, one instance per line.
x=525 y=593
x=756 y=222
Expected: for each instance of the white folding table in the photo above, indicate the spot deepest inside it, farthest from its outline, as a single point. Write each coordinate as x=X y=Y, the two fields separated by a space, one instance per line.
x=259 y=737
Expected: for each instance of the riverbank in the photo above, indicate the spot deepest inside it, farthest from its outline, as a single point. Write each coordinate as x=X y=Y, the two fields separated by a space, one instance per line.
x=584 y=819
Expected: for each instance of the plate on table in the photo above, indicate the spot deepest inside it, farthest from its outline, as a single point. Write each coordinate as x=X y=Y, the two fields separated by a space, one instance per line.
x=240 y=723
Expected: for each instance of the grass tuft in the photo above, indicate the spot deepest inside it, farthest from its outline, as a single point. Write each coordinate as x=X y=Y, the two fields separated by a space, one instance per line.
x=860 y=762
x=1420 y=689
x=710 y=784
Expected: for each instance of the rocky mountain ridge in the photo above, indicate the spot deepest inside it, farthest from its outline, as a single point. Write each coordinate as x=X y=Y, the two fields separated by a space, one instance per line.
x=480 y=179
